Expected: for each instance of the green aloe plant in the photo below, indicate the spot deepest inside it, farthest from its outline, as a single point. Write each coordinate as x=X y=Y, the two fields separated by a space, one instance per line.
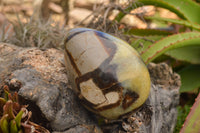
x=191 y=124
x=183 y=46
x=14 y=117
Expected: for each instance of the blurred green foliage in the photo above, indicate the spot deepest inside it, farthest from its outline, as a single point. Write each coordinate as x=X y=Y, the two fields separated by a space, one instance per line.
x=182 y=45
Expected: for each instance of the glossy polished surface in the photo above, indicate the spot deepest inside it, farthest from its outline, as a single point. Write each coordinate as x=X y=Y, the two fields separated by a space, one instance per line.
x=107 y=74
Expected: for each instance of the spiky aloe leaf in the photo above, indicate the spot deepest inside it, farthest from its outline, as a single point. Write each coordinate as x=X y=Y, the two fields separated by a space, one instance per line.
x=190 y=78
x=15 y=97
x=177 y=21
x=19 y=117
x=191 y=124
x=8 y=109
x=2 y=102
x=189 y=54
x=13 y=127
x=6 y=92
x=4 y=124
x=148 y=32
x=10 y=123
x=141 y=44
x=185 y=9
x=170 y=42
x=158 y=3
x=10 y=97
x=189 y=8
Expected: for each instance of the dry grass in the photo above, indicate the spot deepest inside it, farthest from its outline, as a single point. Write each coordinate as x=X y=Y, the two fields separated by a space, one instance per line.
x=35 y=33
x=48 y=34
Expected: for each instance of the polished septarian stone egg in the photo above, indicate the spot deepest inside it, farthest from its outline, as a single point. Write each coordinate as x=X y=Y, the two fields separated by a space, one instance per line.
x=108 y=75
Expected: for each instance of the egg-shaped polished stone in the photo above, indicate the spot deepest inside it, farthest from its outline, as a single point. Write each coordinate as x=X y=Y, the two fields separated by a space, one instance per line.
x=108 y=75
